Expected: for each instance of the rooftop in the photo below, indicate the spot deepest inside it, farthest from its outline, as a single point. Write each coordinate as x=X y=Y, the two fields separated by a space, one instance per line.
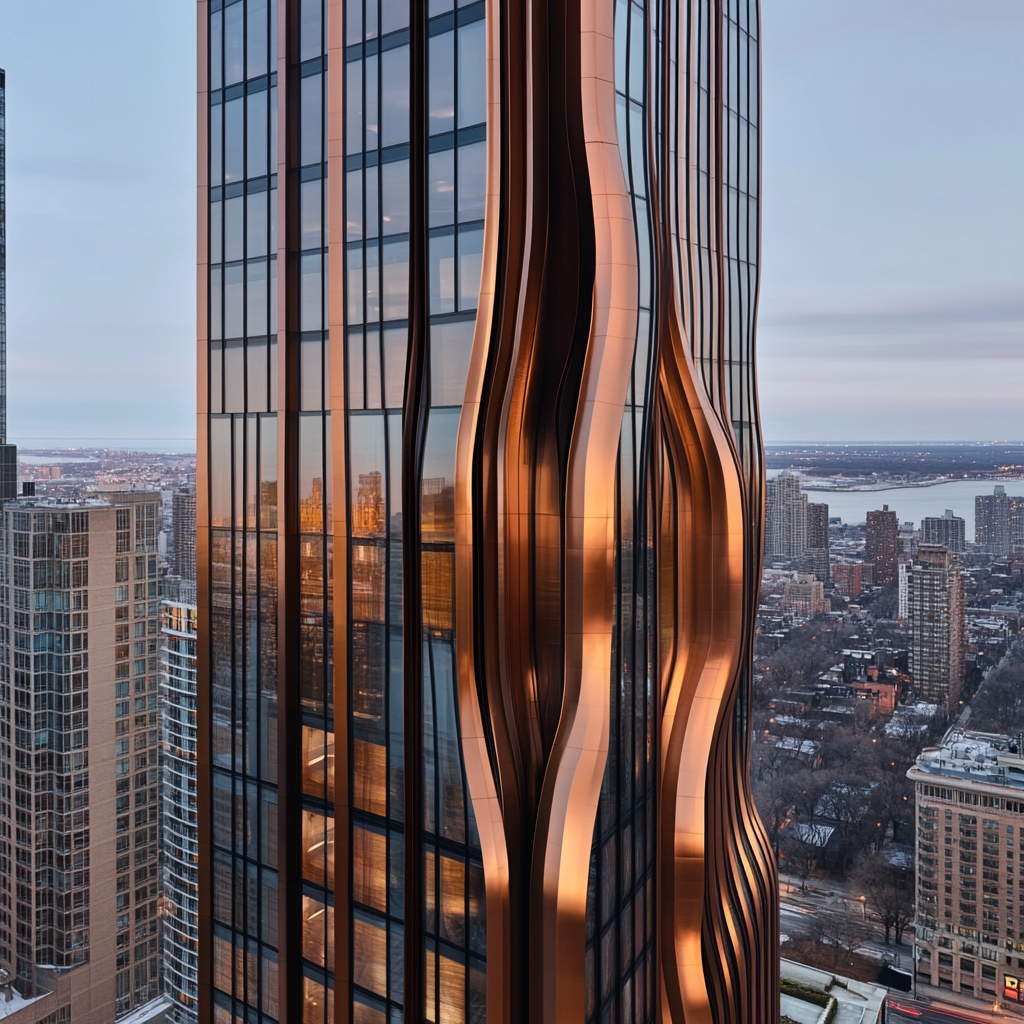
x=857 y=1001
x=979 y=757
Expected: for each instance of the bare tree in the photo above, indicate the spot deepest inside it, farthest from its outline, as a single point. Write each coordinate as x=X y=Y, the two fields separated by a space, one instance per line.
x=889 y=893
x=774 y=796
x=999 y=702
x=838 y=932
x=845 y=805
x=802 y=846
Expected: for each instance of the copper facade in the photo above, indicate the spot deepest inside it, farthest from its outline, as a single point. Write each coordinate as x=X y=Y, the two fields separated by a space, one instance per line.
x=480 y=512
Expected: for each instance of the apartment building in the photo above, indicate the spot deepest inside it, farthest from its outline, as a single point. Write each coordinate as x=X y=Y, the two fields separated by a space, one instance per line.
x=935 y=609
x=786 y=520
x=969 y=920
x=817 y=540
x=947 y=530
x=881 y=544
x=180 y=841
x=78 y=718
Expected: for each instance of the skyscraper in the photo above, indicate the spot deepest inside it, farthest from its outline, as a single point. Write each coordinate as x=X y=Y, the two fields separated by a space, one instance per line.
x=458 y=488
x=8 y=452
x=78 y=853
x=785 y=533
x=935 y=606
x=180 y=839
x=817 y=540
x=947 y=531
x=881 y=544
x=183 y=528
x=999 y=521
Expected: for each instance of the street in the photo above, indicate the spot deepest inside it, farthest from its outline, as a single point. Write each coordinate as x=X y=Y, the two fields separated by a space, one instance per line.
x=901 y=1009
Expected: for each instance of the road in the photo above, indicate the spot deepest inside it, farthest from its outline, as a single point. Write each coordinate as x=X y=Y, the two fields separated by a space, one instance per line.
x=900 y=1009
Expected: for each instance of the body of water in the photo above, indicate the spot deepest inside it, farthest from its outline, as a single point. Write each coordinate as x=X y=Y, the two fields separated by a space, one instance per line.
x=53 y=460
x=183 y=445
x=912 y=504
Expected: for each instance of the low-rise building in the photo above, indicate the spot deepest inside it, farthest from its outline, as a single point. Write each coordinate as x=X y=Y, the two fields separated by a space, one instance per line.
x=847 y=579
x=969 y=924
x=805 y=597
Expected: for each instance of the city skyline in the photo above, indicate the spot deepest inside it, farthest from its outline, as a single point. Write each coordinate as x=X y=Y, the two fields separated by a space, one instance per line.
x=110 y=172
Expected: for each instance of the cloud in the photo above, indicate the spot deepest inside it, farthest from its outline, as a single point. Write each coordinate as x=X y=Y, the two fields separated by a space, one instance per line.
x=972 y=329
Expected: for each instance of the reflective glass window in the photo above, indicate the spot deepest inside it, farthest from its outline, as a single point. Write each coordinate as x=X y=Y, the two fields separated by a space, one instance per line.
x=395 y=197
x=472 y=74
x=395 y=96
x=256 y=28
x=311 y=132
x=256 y=142
x=234 y=44
x=442 y=83
x=472 y=181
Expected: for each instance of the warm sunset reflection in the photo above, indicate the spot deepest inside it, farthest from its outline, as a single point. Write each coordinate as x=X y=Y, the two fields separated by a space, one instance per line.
x=369 y=784
x=318 y=849
x=369 y=868
x=317 y=931
x=318 y=763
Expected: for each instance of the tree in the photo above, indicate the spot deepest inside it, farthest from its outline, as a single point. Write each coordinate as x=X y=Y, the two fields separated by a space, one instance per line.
x=845 y=806
x=774 y=795
x=802 y=846
x=892 y=799
x=885 y=604
x=999 y=703
x=838 y=932
x=890 y=895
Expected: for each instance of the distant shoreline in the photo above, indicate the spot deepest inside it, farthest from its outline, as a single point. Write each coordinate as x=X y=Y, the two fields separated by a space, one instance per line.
x=871 y=488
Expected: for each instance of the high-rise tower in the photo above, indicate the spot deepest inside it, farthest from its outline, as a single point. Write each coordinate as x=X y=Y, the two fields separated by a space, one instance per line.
x=183 y=529
x=78 y=696
x=947 y=531
x=180 y=840
x=881 y=543
x=8 y=452
x=786 y=517
x=818 y=540
x=479 y=512
x=935 y=608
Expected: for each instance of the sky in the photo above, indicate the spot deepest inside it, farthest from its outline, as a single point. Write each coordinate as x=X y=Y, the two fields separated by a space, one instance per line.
x=101 y=218
x=892 y=295
x=892 y=300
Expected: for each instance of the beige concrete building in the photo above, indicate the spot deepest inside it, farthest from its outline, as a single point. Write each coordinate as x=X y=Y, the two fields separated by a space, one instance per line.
x=969 y=924
x=78 y=726
x=805 y=596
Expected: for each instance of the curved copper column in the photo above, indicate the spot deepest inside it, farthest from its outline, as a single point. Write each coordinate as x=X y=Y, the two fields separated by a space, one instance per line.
x=476 y=749
x=535 y=542
x=720 y=964
x=535 y=492
x=573 y=780
x=708 y=615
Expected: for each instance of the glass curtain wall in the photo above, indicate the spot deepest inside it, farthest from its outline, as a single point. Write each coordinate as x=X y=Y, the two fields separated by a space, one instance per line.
x=376 y=340
x=243 y=506
x=245 y=539
x=382 y=169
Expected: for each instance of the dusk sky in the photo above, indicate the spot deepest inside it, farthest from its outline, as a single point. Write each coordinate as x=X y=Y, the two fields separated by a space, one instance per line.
x=892 y=301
